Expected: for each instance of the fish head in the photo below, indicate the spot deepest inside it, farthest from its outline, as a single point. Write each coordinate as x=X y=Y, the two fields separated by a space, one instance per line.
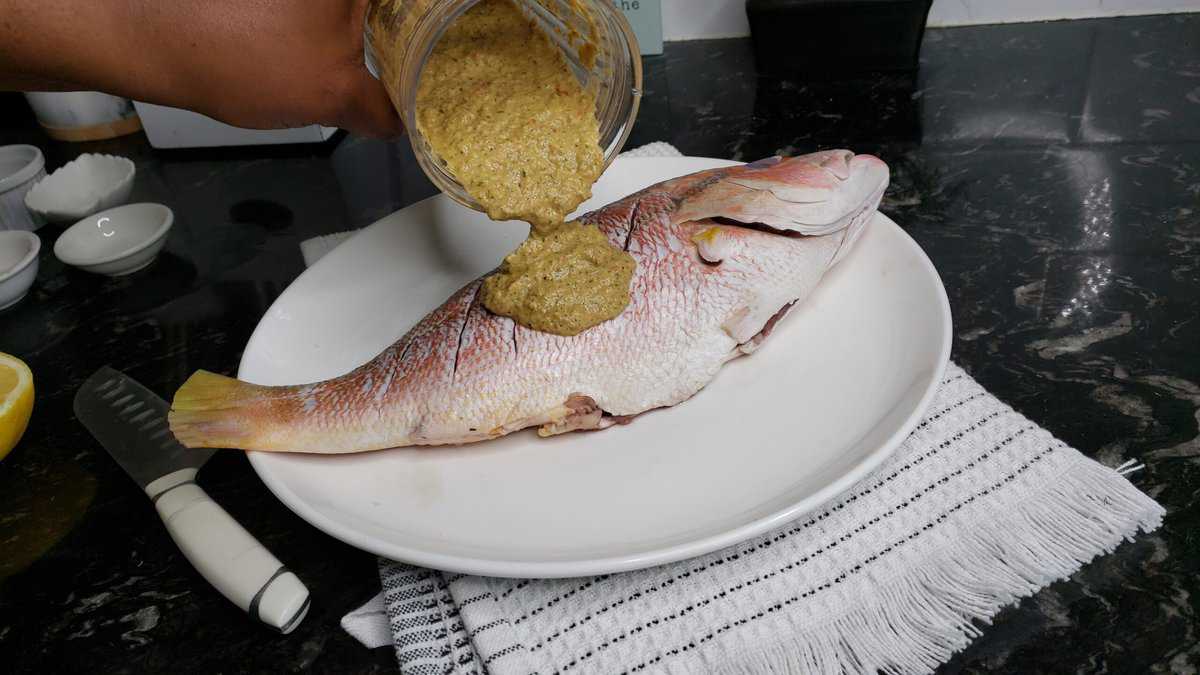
x=745 y=241
x=766 y=232
x=815 y=194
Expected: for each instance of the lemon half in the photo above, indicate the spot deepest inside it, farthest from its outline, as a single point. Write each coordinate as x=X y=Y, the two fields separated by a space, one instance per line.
x=16 y=401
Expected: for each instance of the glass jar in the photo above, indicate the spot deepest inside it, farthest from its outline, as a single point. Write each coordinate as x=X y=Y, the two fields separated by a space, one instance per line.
x=593 y=35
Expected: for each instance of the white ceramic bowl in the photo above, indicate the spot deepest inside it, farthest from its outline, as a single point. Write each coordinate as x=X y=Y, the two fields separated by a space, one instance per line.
x=117 y=241
x=81 y=187
x=20 y=167
x=18 y=265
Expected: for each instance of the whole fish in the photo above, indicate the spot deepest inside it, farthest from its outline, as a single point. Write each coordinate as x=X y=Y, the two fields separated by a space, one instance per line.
x=721 y=256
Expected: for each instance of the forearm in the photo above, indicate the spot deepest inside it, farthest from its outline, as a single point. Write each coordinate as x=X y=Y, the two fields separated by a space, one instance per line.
x=60 y=44
x=141 y=49
x=252 y=63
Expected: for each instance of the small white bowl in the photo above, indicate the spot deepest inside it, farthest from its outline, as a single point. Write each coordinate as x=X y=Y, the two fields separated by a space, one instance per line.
x=20 y=167
x=117 y=241
x=18 y=265
x=81 y=187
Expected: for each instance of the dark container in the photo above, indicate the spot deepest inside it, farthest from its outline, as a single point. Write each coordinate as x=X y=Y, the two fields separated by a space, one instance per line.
x=837 y=38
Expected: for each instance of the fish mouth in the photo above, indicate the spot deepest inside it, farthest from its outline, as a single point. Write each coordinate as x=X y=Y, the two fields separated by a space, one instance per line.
x=814 y=194
x=820 y=194
x=848 y=221
x=758 y=227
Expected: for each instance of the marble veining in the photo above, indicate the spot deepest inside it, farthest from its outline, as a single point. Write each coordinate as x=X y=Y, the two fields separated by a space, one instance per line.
x=1051 y=172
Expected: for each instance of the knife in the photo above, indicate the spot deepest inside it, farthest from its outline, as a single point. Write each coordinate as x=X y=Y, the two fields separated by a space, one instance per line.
x=131 y=423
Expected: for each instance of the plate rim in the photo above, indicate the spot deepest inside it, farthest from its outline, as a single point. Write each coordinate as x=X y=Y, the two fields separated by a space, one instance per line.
x=490 y=567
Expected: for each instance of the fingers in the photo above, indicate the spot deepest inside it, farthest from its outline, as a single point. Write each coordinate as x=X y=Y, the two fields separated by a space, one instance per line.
x=367 y=110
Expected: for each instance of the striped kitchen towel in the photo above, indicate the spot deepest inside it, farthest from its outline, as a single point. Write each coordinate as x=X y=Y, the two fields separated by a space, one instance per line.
x=978 y=507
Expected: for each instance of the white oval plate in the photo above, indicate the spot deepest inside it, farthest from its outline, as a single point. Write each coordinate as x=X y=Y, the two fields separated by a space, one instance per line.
x=829 y=396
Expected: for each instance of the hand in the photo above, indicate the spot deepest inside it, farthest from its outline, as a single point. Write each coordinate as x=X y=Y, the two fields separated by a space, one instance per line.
x=273 y=63
x=250 y=63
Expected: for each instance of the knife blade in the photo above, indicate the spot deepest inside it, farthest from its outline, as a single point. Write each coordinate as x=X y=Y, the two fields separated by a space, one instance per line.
x=130 y=422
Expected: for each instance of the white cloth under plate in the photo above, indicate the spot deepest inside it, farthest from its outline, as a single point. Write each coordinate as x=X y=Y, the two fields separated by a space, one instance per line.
x=978 y=507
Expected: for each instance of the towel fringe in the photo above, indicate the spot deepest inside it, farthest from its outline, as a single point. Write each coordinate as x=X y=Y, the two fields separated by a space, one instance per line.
x=1129 y=466
x=917 y=621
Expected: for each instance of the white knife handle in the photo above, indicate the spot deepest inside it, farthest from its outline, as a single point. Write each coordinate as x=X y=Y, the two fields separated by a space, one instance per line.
x=228 y=556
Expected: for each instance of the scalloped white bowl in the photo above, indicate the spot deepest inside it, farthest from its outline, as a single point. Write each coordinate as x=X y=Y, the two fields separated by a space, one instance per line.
x=86 y=185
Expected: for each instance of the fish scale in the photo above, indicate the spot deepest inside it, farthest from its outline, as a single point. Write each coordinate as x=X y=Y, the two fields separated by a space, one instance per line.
x=721 y=256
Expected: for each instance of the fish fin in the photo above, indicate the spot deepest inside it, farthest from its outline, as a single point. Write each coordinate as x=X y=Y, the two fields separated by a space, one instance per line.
x=209 y=411
x=713 y=244
x=578 y=413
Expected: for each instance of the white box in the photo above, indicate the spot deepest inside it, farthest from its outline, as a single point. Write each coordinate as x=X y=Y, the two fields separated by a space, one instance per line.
x=175 y=128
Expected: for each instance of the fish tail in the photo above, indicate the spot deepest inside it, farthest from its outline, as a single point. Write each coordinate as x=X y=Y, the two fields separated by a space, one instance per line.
x=214 y=411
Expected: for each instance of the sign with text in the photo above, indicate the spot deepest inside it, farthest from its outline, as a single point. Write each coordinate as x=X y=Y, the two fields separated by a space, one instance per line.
x=646 y=18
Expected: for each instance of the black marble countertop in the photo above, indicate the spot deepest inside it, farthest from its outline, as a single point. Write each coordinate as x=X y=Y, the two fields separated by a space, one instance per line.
x=1051 y=171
